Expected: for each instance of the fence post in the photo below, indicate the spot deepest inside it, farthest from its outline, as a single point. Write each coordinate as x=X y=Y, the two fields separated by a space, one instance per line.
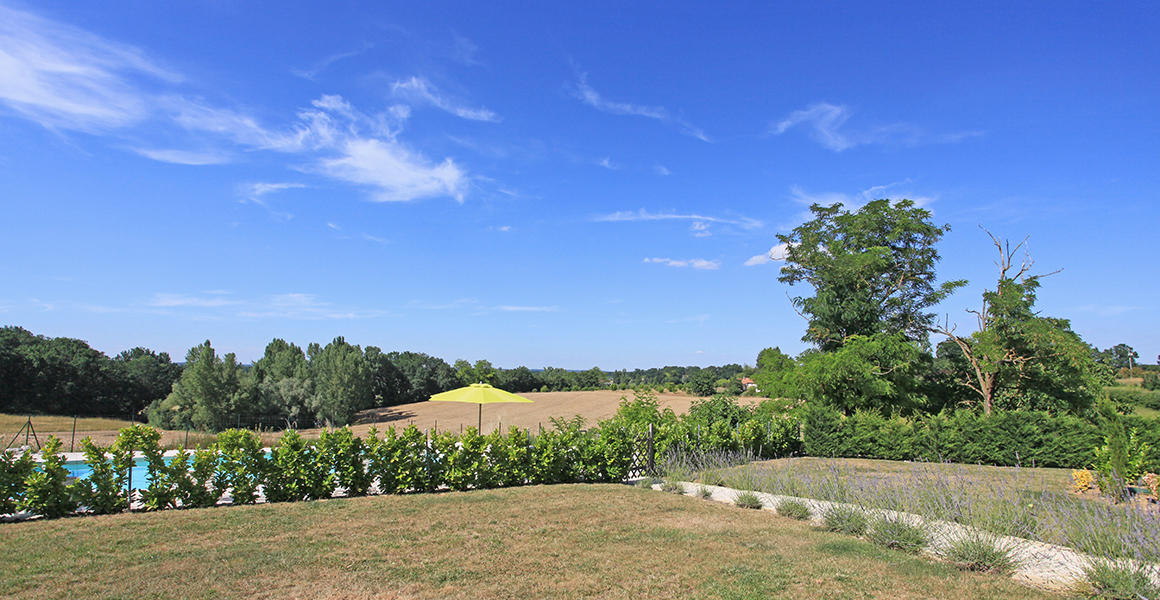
x=652 y=465
x=73 y=443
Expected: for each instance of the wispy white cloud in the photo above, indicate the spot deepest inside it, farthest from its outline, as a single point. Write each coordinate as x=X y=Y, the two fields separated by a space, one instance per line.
x=62 y=77
x=696 y=263
x=463 y=51
x=775 y=253
x=586 y=94
x=347 y=145
x=184 y=157
x=333 y=226
x=1107 y=311
x=826 y=124
x=607 y=163
x=824 y=119
x=255 y=192
x=661 y=170
x=421 y=90
x=278 y=306
x=325 y=63
x=593 y=98
x=644 y=215
x=261 y=189
x=176 y=300
x=378 y=240
x=394 y=172
x=692 y=131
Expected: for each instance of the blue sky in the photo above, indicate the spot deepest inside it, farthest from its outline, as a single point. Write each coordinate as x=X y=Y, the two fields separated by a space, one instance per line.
x=571 y=186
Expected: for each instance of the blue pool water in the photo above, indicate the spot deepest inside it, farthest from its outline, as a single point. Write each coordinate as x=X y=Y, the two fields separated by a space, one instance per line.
x=140 y=471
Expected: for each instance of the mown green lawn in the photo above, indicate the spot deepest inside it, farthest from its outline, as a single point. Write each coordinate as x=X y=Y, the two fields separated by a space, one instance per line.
x=563 y=541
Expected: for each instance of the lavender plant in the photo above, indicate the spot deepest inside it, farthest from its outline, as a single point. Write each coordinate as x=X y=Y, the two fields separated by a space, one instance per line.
x=845 y=519
x=897 y=532
x=748 y=499
x=977 y=550
x=794 y=509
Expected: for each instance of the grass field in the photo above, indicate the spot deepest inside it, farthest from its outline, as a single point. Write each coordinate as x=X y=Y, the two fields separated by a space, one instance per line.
x=566 y=541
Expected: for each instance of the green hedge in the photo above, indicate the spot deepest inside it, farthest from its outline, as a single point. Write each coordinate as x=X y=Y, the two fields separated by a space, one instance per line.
x=235 y=465
x=1005 y=439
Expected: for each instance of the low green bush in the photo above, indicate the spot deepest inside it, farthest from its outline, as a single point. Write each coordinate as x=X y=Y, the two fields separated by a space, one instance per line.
x=102 y=492
x=242 y=466
x=296 y=470
x=345 y=454
x=673 y=487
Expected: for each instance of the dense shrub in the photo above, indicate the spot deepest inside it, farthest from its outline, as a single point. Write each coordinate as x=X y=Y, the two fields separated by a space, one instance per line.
x=242 y=466
x=102 y=492
x=294 y=471
x=344 y=455
x=46 y=490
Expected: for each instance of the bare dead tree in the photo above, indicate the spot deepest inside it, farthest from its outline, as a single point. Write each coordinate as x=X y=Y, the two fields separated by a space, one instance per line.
x=986 y=359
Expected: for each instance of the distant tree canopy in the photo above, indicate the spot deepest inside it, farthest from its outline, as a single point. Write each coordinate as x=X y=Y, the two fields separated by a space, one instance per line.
x=1120 y=356
x=43 y=375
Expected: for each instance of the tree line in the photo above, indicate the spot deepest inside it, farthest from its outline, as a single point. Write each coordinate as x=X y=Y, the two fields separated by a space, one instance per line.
x=289 y=386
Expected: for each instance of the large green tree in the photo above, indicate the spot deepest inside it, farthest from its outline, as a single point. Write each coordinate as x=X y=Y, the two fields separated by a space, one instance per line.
x=210 y=395
x=1120 y=356
x=872 y=270
x=284 y=383
x=702 y=383
x=481 y=372
x=343 y=382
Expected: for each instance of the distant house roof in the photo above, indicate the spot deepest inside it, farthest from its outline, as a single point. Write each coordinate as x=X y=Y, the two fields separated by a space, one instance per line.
x=747 y=381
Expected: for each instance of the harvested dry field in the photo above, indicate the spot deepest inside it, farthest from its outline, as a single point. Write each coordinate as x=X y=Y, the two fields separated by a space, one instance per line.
x=593 y=406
